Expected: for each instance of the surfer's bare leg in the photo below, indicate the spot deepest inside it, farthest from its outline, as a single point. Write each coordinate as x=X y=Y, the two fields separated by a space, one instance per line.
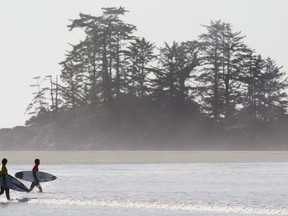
x=7 y=193
x=39 y=187
x=33 y=184
x=2 y=190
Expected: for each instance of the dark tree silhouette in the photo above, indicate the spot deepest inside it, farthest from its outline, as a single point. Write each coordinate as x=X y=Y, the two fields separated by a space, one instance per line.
x=139 y=55
x=120 y=91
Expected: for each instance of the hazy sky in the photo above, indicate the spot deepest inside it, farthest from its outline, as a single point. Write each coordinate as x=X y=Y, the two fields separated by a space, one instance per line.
x=34 y=35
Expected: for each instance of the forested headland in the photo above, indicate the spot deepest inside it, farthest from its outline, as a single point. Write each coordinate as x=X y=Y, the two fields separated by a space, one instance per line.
x=118 y=91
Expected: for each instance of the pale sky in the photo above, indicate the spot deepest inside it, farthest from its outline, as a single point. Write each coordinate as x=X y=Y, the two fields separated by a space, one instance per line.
x=34 y=35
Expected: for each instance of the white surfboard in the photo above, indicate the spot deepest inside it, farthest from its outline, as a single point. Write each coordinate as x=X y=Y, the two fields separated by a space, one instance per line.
x=28 y=176
x=14 y=184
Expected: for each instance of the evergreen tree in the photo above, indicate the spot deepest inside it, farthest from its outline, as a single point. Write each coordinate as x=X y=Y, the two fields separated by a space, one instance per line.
x=252 y=72
x=74 y=76
x=271 y=99
x=39 y=101
x=108 y=31
x=176 y=65
x=139 y=54
x=210 y=78
x=222 y=55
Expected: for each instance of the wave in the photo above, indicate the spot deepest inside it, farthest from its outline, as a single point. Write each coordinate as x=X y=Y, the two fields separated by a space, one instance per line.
x=157 y=205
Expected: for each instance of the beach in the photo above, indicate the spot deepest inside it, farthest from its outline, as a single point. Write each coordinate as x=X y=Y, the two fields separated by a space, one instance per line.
x=140 y=157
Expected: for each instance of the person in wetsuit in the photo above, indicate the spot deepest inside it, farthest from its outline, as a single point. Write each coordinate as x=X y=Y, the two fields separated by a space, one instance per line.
x=34 y=171
x=3 y=173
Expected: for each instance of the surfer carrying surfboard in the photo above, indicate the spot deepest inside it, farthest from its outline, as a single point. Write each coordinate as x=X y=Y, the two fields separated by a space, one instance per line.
x=4 y=172
x=34 y=171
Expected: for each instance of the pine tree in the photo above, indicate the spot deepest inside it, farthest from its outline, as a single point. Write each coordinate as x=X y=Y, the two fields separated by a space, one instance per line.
x=108 y=32
x=222 y=56
x=177 y=63
x=139 y=55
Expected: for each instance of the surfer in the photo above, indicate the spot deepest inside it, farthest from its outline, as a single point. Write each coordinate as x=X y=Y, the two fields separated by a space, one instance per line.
x=34 y=170
x=3 y=173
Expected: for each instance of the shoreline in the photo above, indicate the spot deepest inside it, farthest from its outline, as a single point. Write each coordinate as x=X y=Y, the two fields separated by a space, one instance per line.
x=142 y=157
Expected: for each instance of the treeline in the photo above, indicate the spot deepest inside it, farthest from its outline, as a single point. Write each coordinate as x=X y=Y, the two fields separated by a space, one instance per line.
x=119 y=91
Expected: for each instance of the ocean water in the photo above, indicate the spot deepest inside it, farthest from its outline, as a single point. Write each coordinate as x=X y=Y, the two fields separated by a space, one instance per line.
x=155 y=189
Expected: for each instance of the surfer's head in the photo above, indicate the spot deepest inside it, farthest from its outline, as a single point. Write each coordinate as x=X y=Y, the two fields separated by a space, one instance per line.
x=37 y=161
x=4 y=161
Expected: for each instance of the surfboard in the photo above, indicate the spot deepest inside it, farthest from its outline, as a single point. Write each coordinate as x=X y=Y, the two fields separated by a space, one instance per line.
x=14 y=184
x=28 y=176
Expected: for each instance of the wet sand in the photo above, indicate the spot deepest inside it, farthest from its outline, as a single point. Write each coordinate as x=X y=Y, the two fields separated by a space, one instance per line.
x=127 y=157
